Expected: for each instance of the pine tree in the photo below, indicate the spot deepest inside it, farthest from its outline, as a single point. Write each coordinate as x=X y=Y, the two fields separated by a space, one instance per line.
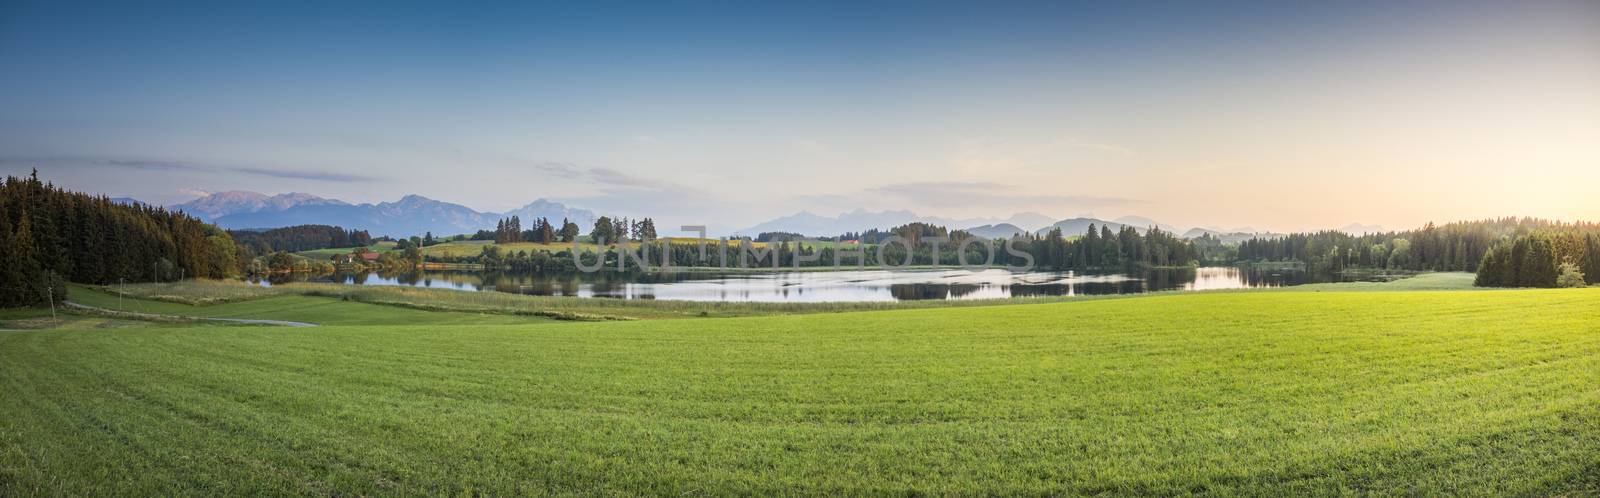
x=1093 y=249
x=619 y=228
x=1539 y=267
x=569 y=230
x=1591 y=266
x=25 y=282
x=604 y=231
x=547 y=233
x=13 y=286
x=1113 y=249
x=649 y=228
x=1508 y=263
x=1489 y=269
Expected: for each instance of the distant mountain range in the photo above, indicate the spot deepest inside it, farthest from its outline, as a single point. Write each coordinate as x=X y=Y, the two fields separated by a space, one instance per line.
x=411 y=215
x=1231 y=236
x=997 y=231
x=1241 y=234
x=1138 y=221
x=814 y=225
x=1359 y=229
x=415 y=215
x=860 y=220
x=234 y=202
x=1080 y=225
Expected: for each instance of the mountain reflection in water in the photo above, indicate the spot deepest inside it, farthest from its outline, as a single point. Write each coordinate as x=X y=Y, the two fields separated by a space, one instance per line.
x=843 y=285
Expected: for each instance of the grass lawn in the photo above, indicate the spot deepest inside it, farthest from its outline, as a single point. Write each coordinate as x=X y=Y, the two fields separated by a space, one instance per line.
x=1490 y=393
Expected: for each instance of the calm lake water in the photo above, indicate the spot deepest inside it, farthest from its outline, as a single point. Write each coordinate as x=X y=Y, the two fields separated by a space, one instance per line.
x=822 y=286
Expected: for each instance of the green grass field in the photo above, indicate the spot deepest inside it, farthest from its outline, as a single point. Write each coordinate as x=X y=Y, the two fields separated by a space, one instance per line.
x=300 y=308
x=325 y=254
x=38 y=319
x=1491 y=393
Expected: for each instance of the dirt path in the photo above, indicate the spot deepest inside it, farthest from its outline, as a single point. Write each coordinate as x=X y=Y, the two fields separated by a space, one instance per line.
x=282 y=323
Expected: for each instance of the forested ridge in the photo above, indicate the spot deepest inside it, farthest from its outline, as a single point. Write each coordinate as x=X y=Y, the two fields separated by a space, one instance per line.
x=49 y=236
x=298 y=238
x=1452 y=247
x=1546 y=258
x=1505 y=252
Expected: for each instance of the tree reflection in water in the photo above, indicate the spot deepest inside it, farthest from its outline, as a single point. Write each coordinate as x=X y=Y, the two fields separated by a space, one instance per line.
x=819 y=286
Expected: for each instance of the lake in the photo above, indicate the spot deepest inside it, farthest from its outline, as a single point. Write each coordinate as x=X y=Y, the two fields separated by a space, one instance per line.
x=839 y=285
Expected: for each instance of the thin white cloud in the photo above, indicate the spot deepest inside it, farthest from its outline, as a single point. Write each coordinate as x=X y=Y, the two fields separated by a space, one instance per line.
x=190 y=167
x=613 y=192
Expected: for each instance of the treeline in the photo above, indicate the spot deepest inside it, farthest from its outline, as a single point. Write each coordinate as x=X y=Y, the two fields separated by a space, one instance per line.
x=509 y=230
x=49 y=235
x=778 y=236
x=1568 y=257
x=1098 y=248
x=1103 y=248
x=913 y=231
x=299 y=238
x=685 y=253
x=610 y=229
x=1459 y=246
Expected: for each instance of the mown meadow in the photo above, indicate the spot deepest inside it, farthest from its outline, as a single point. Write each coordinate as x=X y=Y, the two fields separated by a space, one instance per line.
x=1490 y=393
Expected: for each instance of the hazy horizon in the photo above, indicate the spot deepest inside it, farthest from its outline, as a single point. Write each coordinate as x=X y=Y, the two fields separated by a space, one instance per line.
x=1276 y=117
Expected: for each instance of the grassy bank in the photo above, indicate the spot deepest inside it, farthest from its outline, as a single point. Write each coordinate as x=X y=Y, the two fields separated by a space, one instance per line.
x=1256 y=393
x=1439 y=281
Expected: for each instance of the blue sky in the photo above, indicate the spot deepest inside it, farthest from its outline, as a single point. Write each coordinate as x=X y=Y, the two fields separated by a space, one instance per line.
x=1268 y=114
